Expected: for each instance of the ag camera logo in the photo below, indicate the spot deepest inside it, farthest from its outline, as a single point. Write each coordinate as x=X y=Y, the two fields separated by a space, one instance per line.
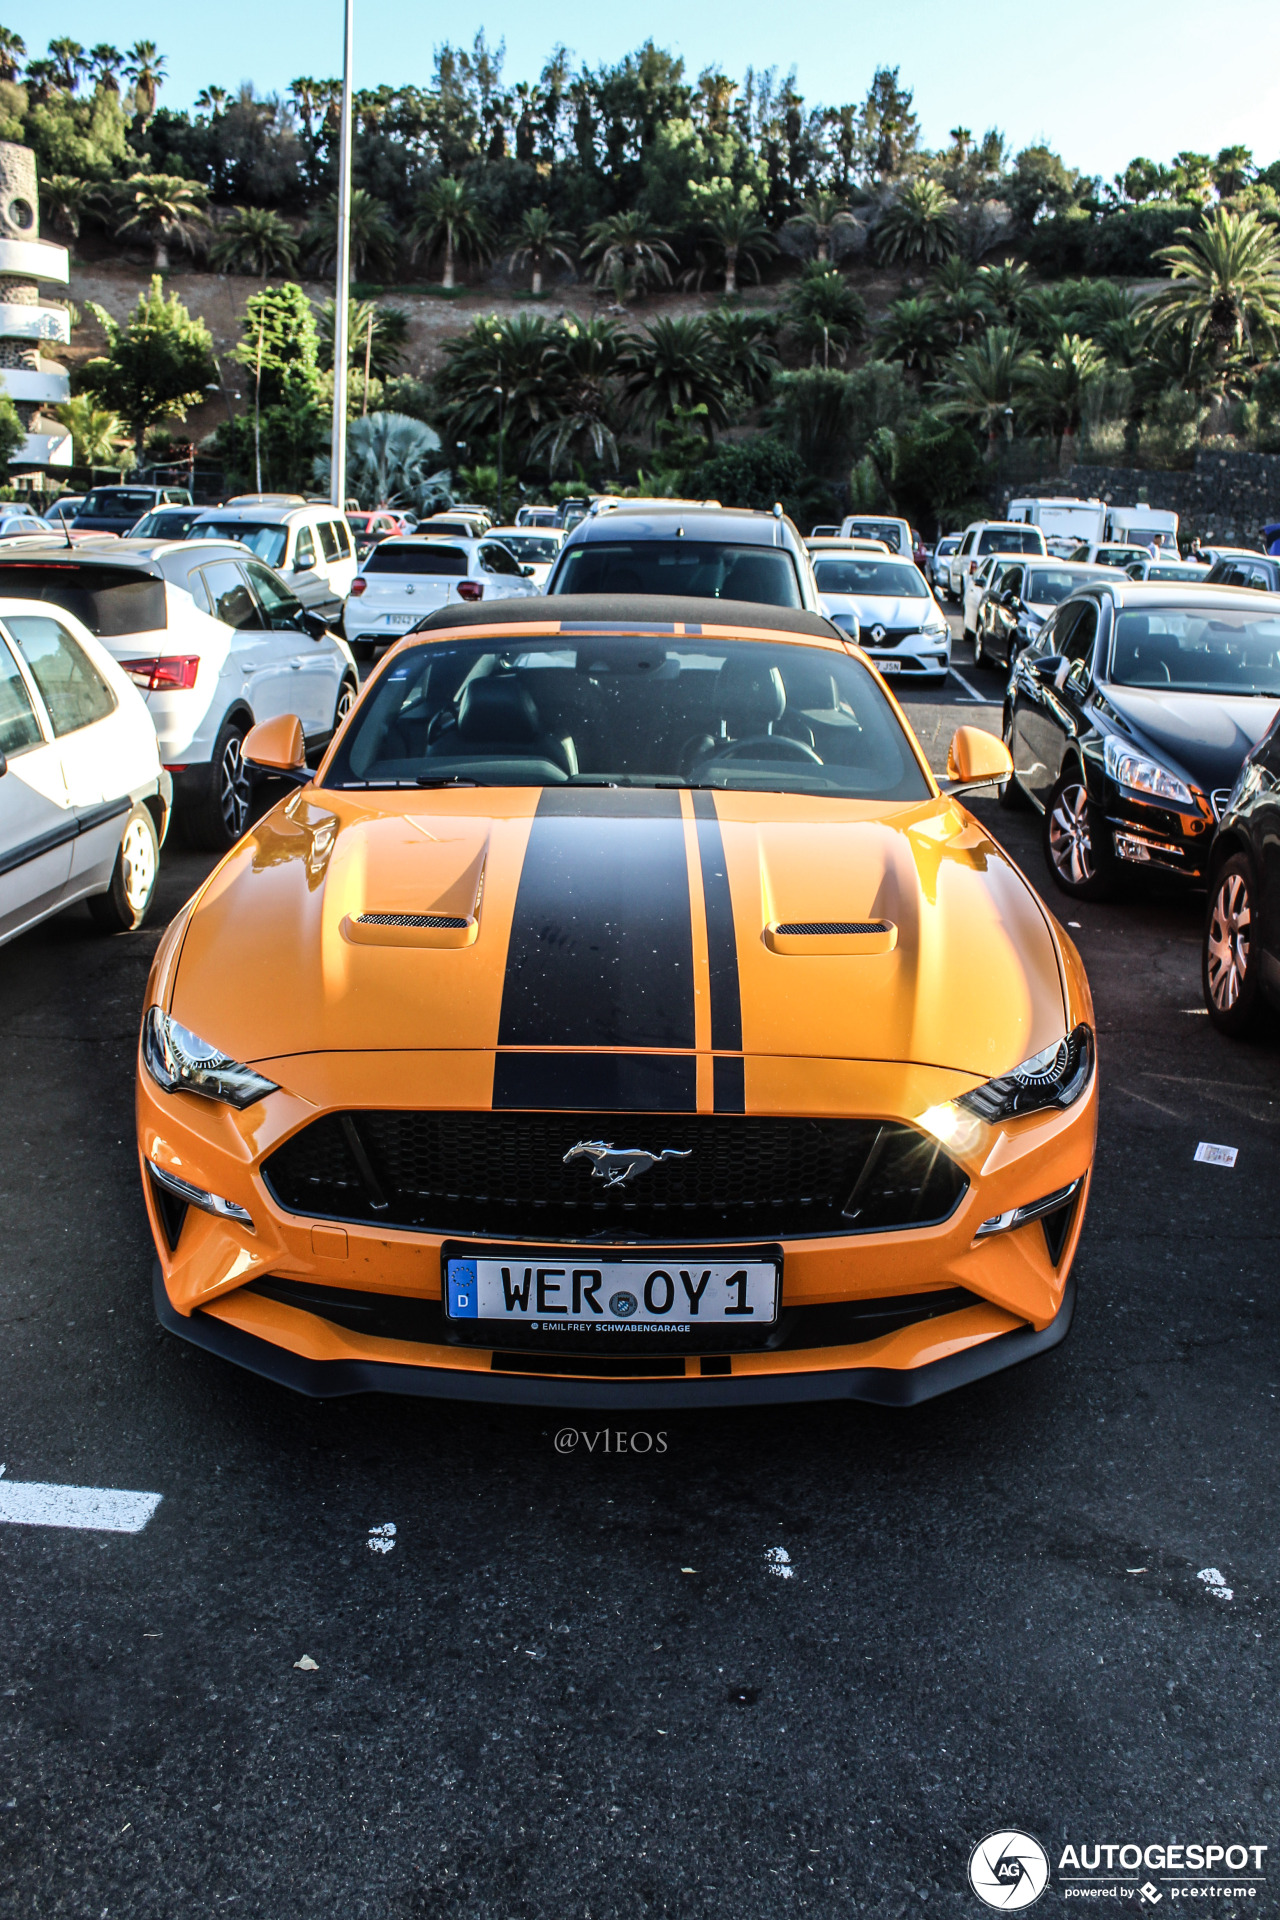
x=1008 y=1870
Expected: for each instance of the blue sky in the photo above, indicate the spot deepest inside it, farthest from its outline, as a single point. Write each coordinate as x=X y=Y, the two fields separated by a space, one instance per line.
x=1100 y=83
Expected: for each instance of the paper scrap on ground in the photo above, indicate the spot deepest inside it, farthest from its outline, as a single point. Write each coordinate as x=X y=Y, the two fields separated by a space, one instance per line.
x=307 y=1664
x=779 y=1563
x=382 y=1539
x=1215 y=1583
x=1216 y=1156
x=32 y=1503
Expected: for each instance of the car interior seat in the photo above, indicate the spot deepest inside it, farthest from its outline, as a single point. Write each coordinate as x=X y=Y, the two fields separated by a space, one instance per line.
x=498 y=715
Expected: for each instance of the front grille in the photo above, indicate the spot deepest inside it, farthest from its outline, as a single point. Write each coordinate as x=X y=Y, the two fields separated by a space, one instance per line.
x=503 y=1175
x=812 y=929
x=411 y=920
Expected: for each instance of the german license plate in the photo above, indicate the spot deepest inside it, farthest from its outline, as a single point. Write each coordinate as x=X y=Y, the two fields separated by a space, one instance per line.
x=551 y=1293
x=889 y=666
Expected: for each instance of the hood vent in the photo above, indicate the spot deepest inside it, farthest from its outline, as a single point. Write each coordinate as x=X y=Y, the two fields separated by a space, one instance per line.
x=831 y=936
x=410 y=929
x=437 y=920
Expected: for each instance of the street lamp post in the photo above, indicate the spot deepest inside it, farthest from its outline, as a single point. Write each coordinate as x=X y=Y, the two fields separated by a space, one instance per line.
x=338 y=445
x=502 y=415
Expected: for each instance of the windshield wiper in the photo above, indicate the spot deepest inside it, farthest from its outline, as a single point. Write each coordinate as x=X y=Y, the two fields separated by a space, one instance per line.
x=449 y=780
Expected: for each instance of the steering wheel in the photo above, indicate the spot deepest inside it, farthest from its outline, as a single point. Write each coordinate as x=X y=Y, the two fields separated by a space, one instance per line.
x=779 y=746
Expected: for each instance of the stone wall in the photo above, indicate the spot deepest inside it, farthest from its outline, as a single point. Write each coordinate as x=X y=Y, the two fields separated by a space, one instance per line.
x=1227 y=499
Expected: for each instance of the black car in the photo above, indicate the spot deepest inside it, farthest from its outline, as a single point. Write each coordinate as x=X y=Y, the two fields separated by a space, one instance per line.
x=118 y=509
x=1241 y=960
x=1022 y=595
x=1261 y=571
x=1128 y=719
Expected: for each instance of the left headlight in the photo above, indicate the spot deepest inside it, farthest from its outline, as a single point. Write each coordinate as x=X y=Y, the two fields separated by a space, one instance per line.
x=1055 y=1078
x=180 y=1062
x=1143 y=775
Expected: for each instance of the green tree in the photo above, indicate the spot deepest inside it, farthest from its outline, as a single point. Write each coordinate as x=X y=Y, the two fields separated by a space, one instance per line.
x=449 y=216
x=279 y=345
x=540 y=242
x=918 y=226
x=145 y=68
x=12 y=431
x=671 y=366
x=1224 y=289
x=581 y=361
x=1004 y=288
x=157 y=364
x=1232 y=171
x=745 y=349
x=734 y=227
x=67 y=200
x=1055 y=390
x=751 y=473
x=916 y=335
x=70 y=62
x=889 y=127
x=960 y=298
x=97 y=438
x=373 y=331
x=1040 y=185
x=254 y=240
x=13 y=51
x=393 y=461
x=821 y=218
x=630 y=253
x=497 y=377
x=983 y=380
x=373 y=238
x=164 y=208
x=825 y=313
x=105 y=62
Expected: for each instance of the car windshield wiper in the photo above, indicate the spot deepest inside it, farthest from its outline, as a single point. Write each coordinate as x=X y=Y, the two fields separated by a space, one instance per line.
x=452 y=780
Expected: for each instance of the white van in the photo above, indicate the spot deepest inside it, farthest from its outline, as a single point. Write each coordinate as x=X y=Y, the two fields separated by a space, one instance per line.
x=1142 y=526
x=1074 y=520
x=306 y=540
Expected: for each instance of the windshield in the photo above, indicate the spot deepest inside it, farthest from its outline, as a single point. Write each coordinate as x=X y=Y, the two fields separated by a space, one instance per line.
x=268 y=541
x=1011 y=540
x=1200 y=650
x=709 y=569
x=635 y=711
x=871 y=579
x=887 y=530
x=1049 y=585
x=531 y=549
x=171 y=522
x=118 y=501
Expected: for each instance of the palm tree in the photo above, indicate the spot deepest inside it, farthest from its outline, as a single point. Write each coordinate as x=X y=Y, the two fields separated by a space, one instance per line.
x=918 y=225
x=821 y=216
x=1055 y=390
x=672 y=367
x=912 y=334
x=744 y=349
x=737 y=229
x=212 y=100
x=373 y=238
x=13 y=51
x=164 y=207
x=496 y=378
x=105 y=62
x=629 y=252
x=983 y=379
x=98 y=437
x=581 y=362
x=375 y=333
x=70 y=62
x=448 y=215
x=960 y=298
x=393 y=460
x=145 y=68
x=825 y=313
x=1225 y=286
x=67 y=200
x=1004 y=288
x=538 y=240
x=254 y=240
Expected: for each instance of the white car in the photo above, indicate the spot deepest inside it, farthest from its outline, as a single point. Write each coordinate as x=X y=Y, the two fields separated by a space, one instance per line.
x=974 y=589
x=214 y=640
x=982 y=537
x=936 y=572
x=16 y=520
x=1106 y=553
x=306 y=540
x=886 y=606
x=536 y=550
x=84 y=800
x=895 y=533
x=402 y=581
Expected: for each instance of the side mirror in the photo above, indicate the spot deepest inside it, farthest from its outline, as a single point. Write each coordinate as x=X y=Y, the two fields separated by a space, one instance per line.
x=314 y=623
x=302 y=566
x=278 y=746
x=976 y=759
x=1048 y=666
x=527 y=572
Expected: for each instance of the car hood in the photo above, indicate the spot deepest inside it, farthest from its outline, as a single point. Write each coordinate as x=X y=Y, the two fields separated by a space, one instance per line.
x=1205 y=734
x=879 y=610
x=589 y=918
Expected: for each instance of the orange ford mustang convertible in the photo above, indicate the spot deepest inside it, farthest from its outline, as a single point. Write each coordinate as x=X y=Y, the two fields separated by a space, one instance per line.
x=622 y=1016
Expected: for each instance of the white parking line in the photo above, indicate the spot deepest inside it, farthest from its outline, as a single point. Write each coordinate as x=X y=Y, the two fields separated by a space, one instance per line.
x=979 y=699
x=32 y=1503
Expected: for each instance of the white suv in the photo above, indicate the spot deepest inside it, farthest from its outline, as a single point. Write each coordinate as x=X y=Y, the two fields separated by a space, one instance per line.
x=215 y=641
x=982 y=537
x=401 y=581
x=307 y=541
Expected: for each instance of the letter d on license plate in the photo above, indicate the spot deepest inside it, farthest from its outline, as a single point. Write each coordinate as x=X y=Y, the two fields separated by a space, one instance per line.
x=556 y=1290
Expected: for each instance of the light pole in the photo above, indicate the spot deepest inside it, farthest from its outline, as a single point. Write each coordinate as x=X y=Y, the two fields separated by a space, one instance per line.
x=502 y=414
x=338 y=444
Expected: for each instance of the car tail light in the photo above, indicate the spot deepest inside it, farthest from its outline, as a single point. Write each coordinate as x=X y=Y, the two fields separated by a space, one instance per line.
x=471 y=589
x=358 y=586
x=170 y=674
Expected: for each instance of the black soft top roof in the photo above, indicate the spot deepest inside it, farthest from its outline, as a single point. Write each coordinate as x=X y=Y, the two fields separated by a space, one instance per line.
x=596 y=612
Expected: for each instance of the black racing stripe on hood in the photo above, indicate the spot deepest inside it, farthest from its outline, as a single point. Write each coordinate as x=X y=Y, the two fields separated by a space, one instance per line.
x=604 y=1082
x=722 y=942
x=729 y=1084
x=601 y=946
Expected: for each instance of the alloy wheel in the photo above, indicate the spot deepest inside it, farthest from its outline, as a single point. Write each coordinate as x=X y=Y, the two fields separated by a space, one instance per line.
x=1230 y=930
x=233 y=787
x=138 y=866
x=346 y=700
x=1070 y=841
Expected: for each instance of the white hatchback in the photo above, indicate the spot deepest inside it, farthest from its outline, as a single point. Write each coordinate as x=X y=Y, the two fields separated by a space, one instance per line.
x=84 y=800
x=402 y=581
x=536 y=548
x=214 y=640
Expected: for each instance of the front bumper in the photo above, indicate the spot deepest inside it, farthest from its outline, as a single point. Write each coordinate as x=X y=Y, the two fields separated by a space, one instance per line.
x=1156 y=836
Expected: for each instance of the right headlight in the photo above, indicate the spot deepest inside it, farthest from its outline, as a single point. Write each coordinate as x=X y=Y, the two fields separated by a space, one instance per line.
x=1141 y=774
x=180 y=1062
x=1055 y=1078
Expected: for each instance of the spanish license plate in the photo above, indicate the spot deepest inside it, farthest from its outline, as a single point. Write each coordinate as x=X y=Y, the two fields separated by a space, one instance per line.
x=398 y=619
x=889 y=666
x=555 y=1293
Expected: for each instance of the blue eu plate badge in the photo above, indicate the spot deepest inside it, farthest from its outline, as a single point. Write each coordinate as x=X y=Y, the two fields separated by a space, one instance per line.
x=462 y=1290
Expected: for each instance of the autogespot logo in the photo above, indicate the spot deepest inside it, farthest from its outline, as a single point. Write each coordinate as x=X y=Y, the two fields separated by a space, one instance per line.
x=1009 y=1870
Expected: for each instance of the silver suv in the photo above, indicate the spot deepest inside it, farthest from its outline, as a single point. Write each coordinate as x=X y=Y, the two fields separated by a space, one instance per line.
x=706 y=553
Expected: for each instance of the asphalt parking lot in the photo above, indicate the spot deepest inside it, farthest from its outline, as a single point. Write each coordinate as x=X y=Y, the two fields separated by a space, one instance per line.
x=756 y=1663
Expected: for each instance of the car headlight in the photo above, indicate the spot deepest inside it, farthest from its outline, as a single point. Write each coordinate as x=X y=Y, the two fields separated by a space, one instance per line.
x=1135 y=770
x=180 y=1062
x=936 y=625
x=1055 y=1078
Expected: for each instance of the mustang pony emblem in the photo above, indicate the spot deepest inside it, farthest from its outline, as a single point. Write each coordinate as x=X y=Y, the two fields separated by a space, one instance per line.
x=616 y=1165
